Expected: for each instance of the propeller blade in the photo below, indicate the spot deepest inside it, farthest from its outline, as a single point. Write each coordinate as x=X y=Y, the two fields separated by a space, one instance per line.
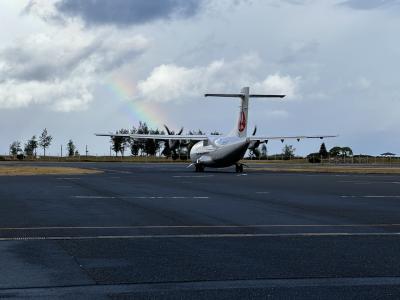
x=167 y=129
x=255 y=130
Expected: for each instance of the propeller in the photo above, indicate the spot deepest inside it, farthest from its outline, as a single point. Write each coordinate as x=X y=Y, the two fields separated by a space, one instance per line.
x=253 y=146
x=171 y=146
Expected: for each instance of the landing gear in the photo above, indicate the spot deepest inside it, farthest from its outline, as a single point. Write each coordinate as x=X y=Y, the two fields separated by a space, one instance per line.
x=199 y=168
x=239 y=168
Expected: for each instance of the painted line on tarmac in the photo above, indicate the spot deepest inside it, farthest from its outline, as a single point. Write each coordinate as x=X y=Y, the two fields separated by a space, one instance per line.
x=371 y=196
x=368 y=182
x=358 y=182
x=202 y=236
x=192 y=176
x=116 y=171
x=140 y=197
x=198 y=226
x=153 y=288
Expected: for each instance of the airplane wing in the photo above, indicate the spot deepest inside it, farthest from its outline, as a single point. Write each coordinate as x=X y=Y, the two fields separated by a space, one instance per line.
x=282 y=138
x=157 y=136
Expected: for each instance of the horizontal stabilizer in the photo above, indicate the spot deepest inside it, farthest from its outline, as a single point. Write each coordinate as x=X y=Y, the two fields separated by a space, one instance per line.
x=265 y=96
x=243 y=95
x=224 y=95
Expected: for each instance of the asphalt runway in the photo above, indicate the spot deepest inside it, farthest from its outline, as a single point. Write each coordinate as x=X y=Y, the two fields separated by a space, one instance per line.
x=162 y=231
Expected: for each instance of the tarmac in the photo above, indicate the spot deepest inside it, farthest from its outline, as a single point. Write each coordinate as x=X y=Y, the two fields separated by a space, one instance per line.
x=162 y=231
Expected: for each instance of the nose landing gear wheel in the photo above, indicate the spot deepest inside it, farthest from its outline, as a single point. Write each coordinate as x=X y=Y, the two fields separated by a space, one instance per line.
x=199 y=168
x=239 y=168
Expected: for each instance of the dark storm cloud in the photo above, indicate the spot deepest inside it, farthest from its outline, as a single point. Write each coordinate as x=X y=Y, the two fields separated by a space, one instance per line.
x=370 y=4
x=127 y=12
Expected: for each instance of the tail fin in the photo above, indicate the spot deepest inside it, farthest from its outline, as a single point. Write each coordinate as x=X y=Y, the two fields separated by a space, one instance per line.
x=240 y=130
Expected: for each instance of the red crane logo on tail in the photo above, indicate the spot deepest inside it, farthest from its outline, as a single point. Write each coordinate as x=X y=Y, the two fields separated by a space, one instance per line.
x=242 y=122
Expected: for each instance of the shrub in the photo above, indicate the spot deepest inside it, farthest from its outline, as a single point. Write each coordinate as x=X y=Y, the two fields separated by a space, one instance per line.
x=314 y=158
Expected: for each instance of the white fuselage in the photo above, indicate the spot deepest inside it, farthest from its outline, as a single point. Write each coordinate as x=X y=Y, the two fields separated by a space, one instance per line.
x=219 y=151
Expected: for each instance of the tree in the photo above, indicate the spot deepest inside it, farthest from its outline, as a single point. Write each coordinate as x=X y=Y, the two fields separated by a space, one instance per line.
x=31 y=146
x=152 y=146
x=142 y=129
x=134 y=148
x=346 y=151
x=15 y=148
x=264 y=151
x=119 y=143
x=323 y=153
x=288 y=152
x=314 y=158
x=28 y=150
x=45 y=140
x=341 y=151
x=335 y=151
x=134 y=144
x=71 y=148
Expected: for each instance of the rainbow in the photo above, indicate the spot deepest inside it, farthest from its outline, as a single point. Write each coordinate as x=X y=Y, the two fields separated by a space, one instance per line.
x=136 y=111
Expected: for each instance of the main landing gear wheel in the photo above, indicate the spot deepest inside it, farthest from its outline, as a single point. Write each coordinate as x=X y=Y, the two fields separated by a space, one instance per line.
x=239 y=168
x=199 y=168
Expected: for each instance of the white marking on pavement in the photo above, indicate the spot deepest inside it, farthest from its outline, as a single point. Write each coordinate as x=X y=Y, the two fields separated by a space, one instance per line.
x=140 y=197
x=211 y=285
x=368 y=182
x=192 y=176
x=370 y=196
x=198 y=226
x=117 y=171
x=222 y=235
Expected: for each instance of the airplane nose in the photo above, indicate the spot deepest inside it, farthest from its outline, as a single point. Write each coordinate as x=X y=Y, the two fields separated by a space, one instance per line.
x=204 y=159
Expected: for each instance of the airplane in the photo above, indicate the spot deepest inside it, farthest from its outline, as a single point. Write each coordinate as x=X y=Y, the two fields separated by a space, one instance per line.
x=219 y=151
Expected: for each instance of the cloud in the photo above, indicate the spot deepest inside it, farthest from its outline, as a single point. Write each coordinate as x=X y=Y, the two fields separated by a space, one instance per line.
x=370 y=4
x=60 y=67
x=173 y=83
x=67 y=95
x=45 y=10
x=123 y=12
x=277 y=84
x=300 y=51
x=361 y=83
x=277 y=114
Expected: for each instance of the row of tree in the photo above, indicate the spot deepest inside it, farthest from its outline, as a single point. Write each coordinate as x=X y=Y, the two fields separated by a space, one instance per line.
x=334 y=152
x=149 y=147
x=31 y=145
x=44 y=142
